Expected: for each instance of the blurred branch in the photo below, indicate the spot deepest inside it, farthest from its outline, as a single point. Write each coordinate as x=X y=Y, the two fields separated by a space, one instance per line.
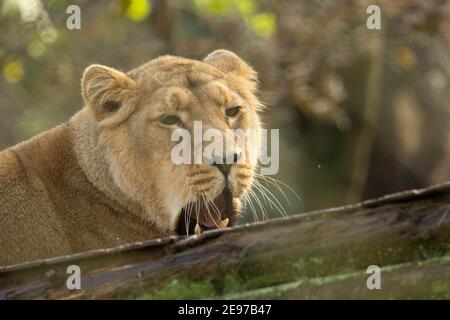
x=365 y=139
x=163 y=22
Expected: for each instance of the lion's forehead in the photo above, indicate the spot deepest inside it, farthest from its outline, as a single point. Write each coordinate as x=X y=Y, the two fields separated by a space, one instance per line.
x=188 y=79
x=177 y=93
x=170 y=69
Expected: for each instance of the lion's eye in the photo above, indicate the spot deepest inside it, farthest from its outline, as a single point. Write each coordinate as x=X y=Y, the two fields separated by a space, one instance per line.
x=170 y=120
x=232 y=112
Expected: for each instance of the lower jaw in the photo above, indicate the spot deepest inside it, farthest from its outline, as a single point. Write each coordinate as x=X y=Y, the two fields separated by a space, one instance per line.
x=188 y=225
x=185 y=226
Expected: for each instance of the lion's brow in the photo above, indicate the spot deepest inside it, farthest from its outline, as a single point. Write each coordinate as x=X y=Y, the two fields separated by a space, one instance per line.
x=192 y=83
x=222 y=98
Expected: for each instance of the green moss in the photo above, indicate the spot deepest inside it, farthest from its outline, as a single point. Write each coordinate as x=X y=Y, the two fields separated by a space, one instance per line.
x=447 y=248
x=232 y=284
x=268 y=292
x=181 y=290
x=308 y=265
x=272 y=280
x=300 y=265
x=440 y=288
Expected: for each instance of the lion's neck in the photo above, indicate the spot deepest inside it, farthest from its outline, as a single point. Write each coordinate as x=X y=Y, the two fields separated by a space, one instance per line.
x=92 y=159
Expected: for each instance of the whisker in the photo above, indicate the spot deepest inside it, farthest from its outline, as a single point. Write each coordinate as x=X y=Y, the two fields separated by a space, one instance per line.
x=278 y=205
x=209 y=211
x=214 y=207
x=248 y=201
x=186 y=213
x=265 y=197
x=267 y=181
x=258 y=202
x=205 y=194
x=283 y=184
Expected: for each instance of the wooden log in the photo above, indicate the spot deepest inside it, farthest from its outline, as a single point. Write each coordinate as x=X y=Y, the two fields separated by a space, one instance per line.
x=408 y=227
x=429 y=279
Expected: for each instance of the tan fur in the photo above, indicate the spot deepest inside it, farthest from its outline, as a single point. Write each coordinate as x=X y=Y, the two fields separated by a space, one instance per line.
x=105 y=177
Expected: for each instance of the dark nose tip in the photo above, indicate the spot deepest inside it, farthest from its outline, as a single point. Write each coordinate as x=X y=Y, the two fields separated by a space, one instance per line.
x=226 y=167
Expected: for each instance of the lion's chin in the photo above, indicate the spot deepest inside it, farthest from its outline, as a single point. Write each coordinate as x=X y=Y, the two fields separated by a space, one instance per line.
x=199 y=217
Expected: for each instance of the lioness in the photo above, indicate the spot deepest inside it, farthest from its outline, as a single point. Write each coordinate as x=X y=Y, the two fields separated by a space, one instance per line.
x=106 y=177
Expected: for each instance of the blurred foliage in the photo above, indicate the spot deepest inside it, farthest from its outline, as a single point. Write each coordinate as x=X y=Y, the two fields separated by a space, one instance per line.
x=138 y=10
x=361 y=112
x=13 y=70
x=262 y=23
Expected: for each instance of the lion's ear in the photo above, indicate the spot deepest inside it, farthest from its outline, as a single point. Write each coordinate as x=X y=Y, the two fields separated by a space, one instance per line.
x=230 y=63
x=105 y=91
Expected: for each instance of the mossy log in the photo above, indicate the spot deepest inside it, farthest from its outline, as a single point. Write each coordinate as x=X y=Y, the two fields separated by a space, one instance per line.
x=322 y=254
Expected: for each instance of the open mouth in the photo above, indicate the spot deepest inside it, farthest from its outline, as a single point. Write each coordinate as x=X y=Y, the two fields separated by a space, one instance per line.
x=199 y=217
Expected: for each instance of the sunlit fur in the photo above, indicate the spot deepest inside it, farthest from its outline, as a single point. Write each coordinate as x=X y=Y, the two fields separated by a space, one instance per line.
x=105 y=177
x=137 y=145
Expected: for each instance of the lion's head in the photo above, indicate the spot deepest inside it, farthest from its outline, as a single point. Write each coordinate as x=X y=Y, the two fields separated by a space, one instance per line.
x=136 y=114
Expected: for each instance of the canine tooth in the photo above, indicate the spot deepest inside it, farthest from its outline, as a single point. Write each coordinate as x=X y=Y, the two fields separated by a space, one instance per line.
x=224 y=223
x=197 y=229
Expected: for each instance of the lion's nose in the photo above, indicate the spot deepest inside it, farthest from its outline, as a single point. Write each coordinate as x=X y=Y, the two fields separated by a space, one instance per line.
x=224 y=168
x=225 y=164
